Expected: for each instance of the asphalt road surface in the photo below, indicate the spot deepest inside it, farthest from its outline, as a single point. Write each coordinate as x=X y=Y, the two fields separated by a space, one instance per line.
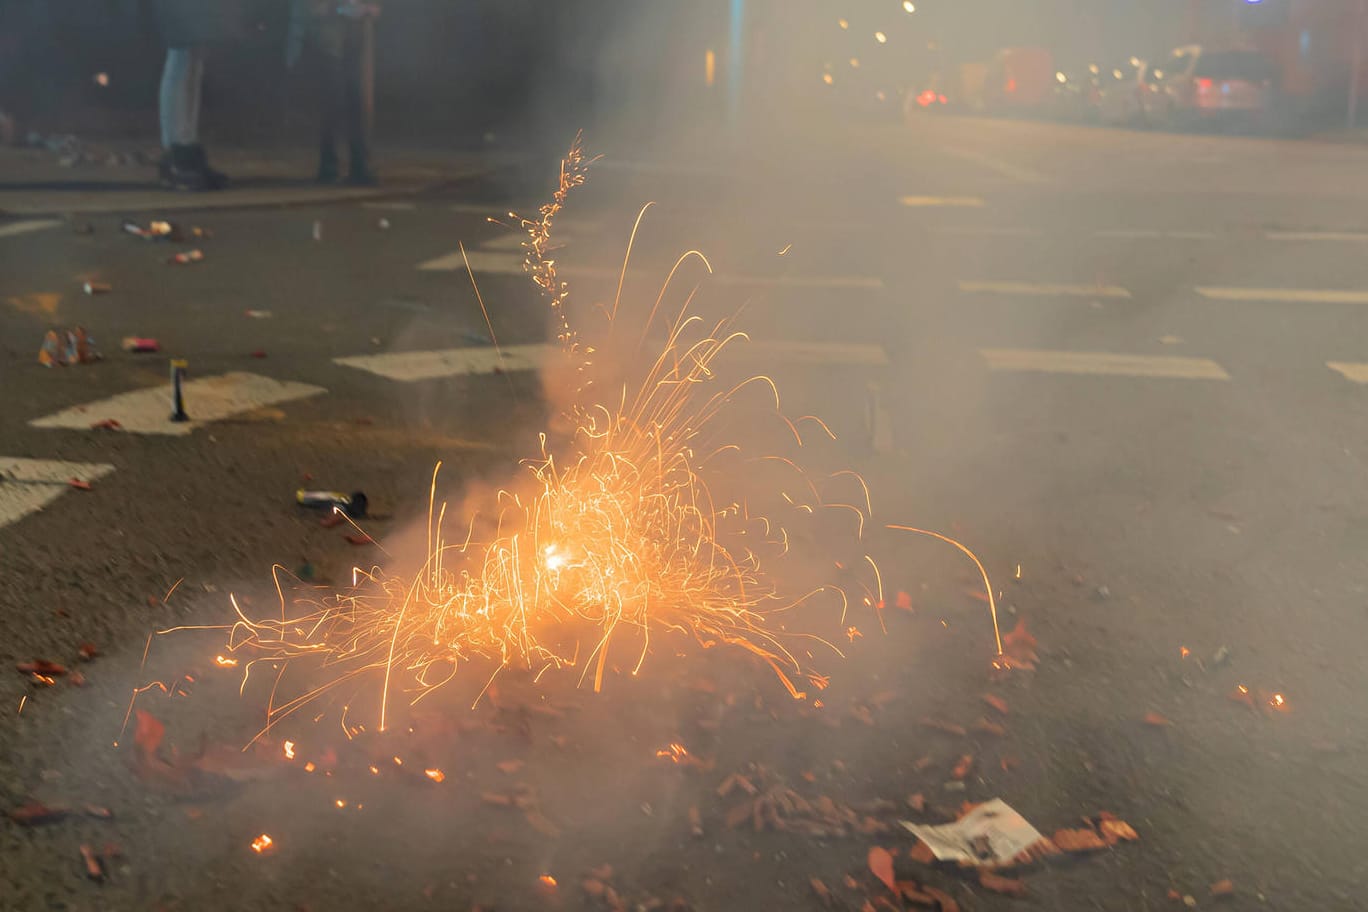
x=1127 y=369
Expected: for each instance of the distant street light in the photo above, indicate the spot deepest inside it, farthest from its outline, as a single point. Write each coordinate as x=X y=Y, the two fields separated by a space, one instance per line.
x=881 y=37
x=909 y=6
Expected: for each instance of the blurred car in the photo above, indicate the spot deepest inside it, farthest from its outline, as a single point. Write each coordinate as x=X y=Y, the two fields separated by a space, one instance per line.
x=930 y=95
x=1019 y=80
x=1121 y=89
x=1077 y=95
x=1196 y=84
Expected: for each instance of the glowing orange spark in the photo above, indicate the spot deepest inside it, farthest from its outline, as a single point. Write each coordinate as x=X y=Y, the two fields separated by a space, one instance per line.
x=435 y=775
x=309 y=767
x=262 y=843
x=547 y=881
x=853 y=632
x=289 y=750
x=675 y=752
x=340 y=803
x=1278 y=701
x=1184 y=652
x=225 y=662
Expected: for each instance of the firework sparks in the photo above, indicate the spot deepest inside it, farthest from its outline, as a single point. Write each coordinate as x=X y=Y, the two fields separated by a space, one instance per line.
x=262 y=844
x=610 y=539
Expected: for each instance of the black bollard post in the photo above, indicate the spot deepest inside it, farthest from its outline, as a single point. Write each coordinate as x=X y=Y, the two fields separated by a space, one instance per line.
x=178 y=368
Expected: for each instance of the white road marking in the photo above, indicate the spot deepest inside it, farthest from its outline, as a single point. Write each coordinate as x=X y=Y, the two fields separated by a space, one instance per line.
x=1155 y=234
x=413 y=366
x=1129 y=233
x=1104 y=363
x=1284 y=295
x=500 y=263
x=14 y=228
x=1006 y=169
x=951 y=202
x=147 y=411
x=390 y=205
x=1358 y=237
x=985 y=231
x=29 y=485
x=1043 y=289
x=1356 y=371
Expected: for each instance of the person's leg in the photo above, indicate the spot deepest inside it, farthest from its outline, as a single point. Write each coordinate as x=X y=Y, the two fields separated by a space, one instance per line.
x=353 y=110
x=327 y=72
x=170 y=98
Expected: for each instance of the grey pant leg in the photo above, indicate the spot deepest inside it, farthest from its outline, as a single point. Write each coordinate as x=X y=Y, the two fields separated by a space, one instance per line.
x=179 y=98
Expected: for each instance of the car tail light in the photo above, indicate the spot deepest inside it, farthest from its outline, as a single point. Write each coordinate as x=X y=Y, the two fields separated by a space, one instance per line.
x=1203 y=83
x=941 y=99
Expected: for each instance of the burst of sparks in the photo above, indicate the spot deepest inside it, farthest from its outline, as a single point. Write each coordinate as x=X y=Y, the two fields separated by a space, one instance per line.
x=435 y=775
x=675 y=751
x=609 y=535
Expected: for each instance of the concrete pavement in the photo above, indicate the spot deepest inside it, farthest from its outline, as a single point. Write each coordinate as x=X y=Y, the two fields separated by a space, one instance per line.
x=1130 y=374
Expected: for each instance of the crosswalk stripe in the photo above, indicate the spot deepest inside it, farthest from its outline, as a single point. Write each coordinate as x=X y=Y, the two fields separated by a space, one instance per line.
x=1350 y=236
x=14 y=228
x=950 y=202
x=985 y=231
x=147 y=411
x=1355 y=371
x=1043 y=289
x=500 y=263
x=1103 y=363
x=413 y=366
x=1284 y=295
x=29 y=485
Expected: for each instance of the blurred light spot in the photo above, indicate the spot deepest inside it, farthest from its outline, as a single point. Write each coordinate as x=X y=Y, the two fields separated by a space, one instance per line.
x=102 y=79
x=843 y=23
x=909 y=6
x=826 y=77
x=854 y=63
x=1061 y=78
x=881 y=37
x=709 y=66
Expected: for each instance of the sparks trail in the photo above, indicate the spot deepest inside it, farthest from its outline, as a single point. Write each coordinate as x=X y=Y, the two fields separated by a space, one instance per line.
x=605 y=542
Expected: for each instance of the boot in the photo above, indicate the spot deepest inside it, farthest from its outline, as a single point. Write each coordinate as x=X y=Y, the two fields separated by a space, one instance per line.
x=214 y=180
x=359 y=173
x=184 y=171
x=327 y=164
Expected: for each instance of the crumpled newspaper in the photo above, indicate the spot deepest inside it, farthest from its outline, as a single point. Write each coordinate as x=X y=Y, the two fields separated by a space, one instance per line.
x=990 y=834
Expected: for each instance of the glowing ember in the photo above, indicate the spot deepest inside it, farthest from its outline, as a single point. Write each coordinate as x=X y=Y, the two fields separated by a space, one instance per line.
x=289 y=750
x=1184 y=652
x=546 y=880
x=309 y=767
x=676 y=752
x=262 y=843
x=435 y=775
x=1278 y=701
x=340 y=803
x=224 y=662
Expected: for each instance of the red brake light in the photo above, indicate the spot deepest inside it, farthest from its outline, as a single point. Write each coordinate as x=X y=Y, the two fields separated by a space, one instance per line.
x=1203 y=83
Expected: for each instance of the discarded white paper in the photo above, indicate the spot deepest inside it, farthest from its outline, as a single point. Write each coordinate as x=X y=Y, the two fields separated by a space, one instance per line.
x=990 y=834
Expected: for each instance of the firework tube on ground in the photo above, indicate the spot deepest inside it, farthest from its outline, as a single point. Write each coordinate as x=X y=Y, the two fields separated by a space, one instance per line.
x=178 y=369
x=354 y=504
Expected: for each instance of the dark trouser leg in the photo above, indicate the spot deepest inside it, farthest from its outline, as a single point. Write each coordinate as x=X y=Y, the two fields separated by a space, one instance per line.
x=353 y=110
x=328 y=66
